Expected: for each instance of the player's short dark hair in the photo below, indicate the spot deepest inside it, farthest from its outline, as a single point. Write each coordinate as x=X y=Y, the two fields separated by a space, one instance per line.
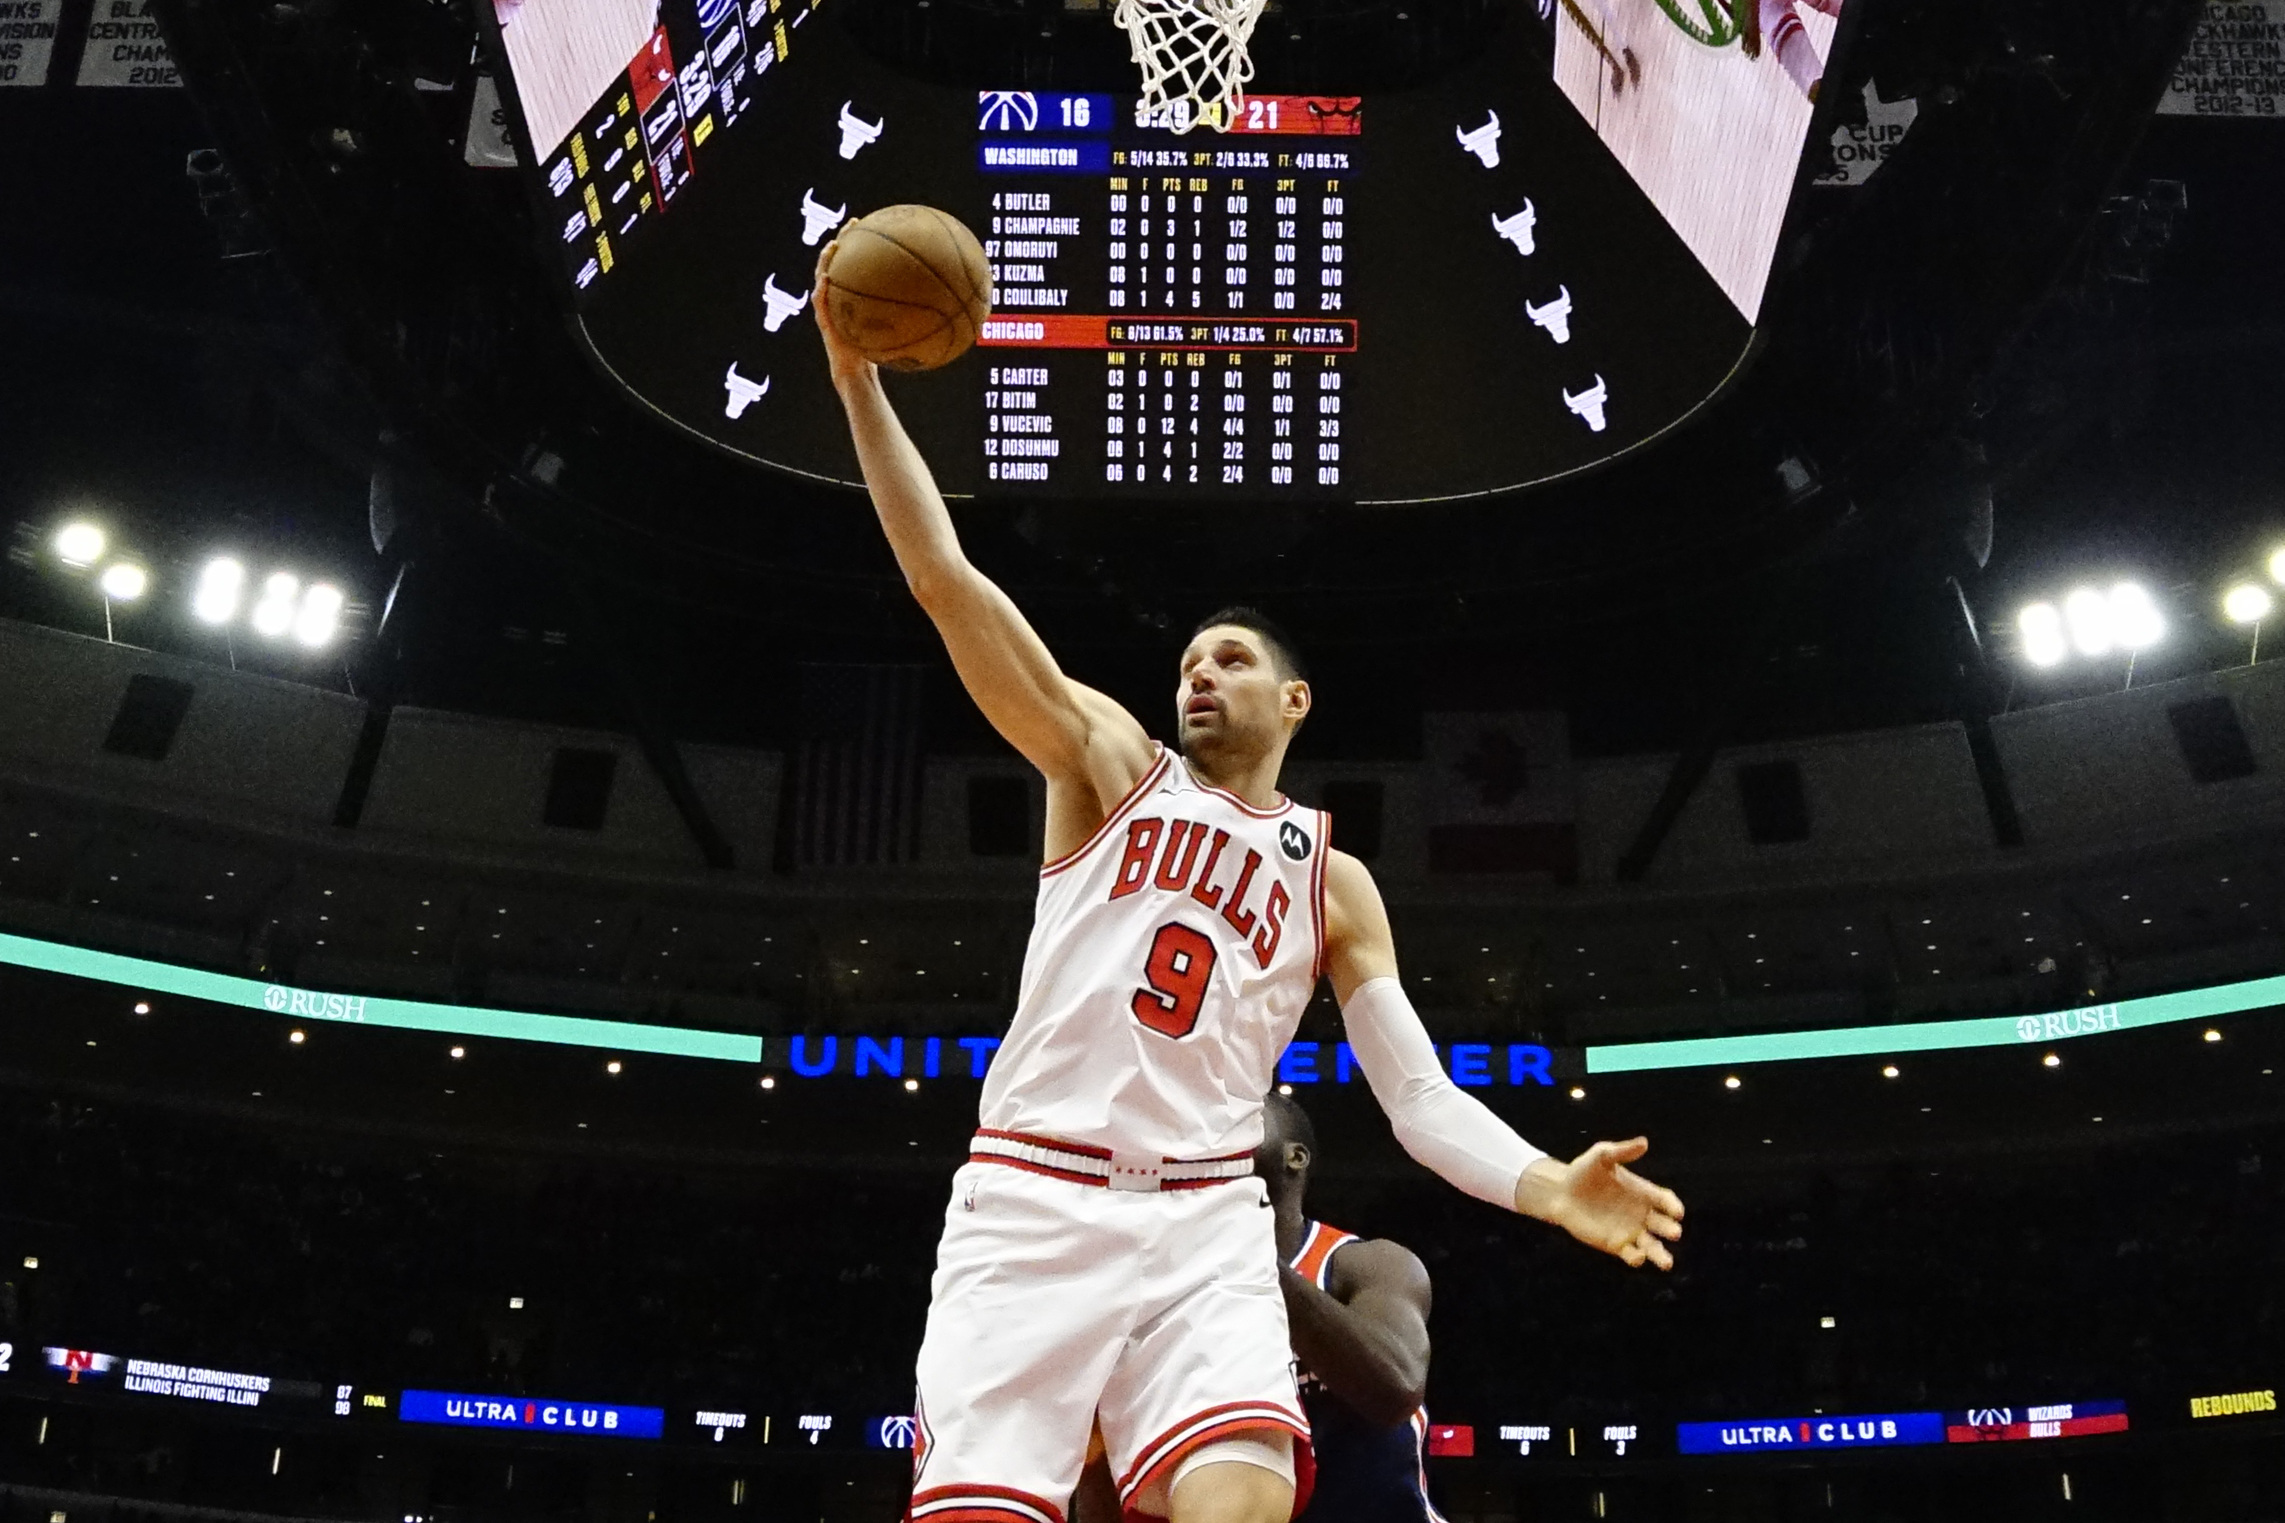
x=1292 y=1122
x=1282 y=650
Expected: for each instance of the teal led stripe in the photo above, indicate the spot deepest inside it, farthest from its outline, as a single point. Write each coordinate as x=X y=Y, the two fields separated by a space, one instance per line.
x=1935 y=1036
x=733 y=1047
x=364 y=1010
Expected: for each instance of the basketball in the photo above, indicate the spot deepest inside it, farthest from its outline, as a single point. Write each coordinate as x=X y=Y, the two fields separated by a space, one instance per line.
x=909 y=287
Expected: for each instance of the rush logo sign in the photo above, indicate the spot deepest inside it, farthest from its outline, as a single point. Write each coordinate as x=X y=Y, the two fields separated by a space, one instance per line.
x=1183 y=856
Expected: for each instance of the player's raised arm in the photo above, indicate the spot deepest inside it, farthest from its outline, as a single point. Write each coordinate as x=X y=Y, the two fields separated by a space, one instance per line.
x=1066 y=730
x=1595 y=1197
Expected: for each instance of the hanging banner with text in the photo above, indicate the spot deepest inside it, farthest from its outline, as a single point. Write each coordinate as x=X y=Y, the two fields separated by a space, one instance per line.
x=27 y=40
x=2235 y=63
x=1860 y=150
x=125 y=48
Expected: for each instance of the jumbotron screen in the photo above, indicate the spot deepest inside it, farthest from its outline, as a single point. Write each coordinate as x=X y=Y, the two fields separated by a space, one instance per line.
x=1545 y=259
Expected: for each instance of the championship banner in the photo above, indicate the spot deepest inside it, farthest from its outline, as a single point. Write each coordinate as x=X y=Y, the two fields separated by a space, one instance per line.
x=1859 y=151
x=27 y=40
x=2234 y=65
x=125 y=48
x=1500 y=793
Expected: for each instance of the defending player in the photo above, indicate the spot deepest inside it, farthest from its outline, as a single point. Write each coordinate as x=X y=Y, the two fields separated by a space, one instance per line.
x=1106 y=1251
x=1359 y=1313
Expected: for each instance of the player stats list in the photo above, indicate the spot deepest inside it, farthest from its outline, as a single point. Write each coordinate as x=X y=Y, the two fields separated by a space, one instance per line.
x=1171 y=312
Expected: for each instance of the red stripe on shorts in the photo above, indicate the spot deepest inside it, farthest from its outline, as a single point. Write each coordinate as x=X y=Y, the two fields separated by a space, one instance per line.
x=1177 y=1443
x=980 y=1504
x=1056 y=1145
x=1070 y=1176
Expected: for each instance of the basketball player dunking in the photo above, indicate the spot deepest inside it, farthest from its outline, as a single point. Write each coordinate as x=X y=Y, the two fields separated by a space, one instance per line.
x=1107 y=1249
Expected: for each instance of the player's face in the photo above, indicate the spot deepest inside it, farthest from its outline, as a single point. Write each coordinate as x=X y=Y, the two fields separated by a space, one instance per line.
x=1230 y=698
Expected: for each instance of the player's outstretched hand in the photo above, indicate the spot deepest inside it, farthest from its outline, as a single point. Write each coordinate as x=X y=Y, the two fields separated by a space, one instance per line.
x=1604 y=1204
x=847 y=362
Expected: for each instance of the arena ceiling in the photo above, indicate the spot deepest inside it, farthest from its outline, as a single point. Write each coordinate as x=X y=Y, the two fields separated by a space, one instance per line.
x=2016 y=309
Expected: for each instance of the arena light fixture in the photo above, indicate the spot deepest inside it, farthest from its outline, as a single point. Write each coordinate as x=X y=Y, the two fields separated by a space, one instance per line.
x=2247 y=603
x=79 y=544
x=2277 y=565
x=124 y=581
x=2212 y=1035
x=2086 y=614
x=221 y=584
x=274 y=614
x=2135 y=622
x=2053 y=1060
x=297 y=1037
x=320 y=616
x=1891 y=1071
x=1732 y=1082
x=2041 y=626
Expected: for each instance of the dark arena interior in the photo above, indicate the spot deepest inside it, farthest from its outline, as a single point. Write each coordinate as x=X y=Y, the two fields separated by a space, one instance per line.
x=507 y=911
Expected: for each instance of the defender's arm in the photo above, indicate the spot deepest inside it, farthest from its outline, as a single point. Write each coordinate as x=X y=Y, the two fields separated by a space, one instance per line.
x=1367 y=1339
x=1595 y=1197
x=1066 y=730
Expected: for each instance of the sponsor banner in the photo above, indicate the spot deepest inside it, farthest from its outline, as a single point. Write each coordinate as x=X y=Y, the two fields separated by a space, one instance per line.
x=1762 y=1435
x=587 y=1419
x=1512 y=1063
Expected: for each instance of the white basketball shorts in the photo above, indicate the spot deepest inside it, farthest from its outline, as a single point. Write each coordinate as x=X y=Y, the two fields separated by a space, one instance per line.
x=1055 y=1302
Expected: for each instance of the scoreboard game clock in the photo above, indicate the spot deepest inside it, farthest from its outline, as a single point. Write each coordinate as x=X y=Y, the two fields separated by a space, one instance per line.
x=1436 y=293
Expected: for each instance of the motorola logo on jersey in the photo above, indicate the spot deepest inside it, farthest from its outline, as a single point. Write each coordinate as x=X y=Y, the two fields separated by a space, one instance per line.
x=1293 y=841
x=1188 y=861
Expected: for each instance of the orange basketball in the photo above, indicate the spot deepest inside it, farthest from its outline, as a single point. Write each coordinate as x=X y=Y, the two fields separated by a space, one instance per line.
x=909 y=286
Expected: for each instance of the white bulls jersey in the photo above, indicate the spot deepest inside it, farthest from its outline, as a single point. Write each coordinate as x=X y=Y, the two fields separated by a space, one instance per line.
x=1170 y=959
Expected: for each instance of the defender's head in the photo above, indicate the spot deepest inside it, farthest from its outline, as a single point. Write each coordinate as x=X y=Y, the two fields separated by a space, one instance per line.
x=1243 y=691
x=1288 y=1147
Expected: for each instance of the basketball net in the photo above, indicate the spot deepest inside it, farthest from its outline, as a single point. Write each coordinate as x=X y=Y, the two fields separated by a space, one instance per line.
x=1193 y=58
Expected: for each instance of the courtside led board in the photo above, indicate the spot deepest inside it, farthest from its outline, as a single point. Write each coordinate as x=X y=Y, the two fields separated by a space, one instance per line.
x=1546 y=258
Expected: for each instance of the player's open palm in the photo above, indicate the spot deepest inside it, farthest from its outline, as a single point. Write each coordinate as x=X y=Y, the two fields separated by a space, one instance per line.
x=1606 y=1205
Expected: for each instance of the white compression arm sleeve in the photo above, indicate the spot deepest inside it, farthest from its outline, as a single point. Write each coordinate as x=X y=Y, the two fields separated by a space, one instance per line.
x=1446 y=1129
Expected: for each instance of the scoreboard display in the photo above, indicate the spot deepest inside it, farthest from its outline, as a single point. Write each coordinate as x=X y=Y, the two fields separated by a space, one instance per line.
x=1430 y=294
